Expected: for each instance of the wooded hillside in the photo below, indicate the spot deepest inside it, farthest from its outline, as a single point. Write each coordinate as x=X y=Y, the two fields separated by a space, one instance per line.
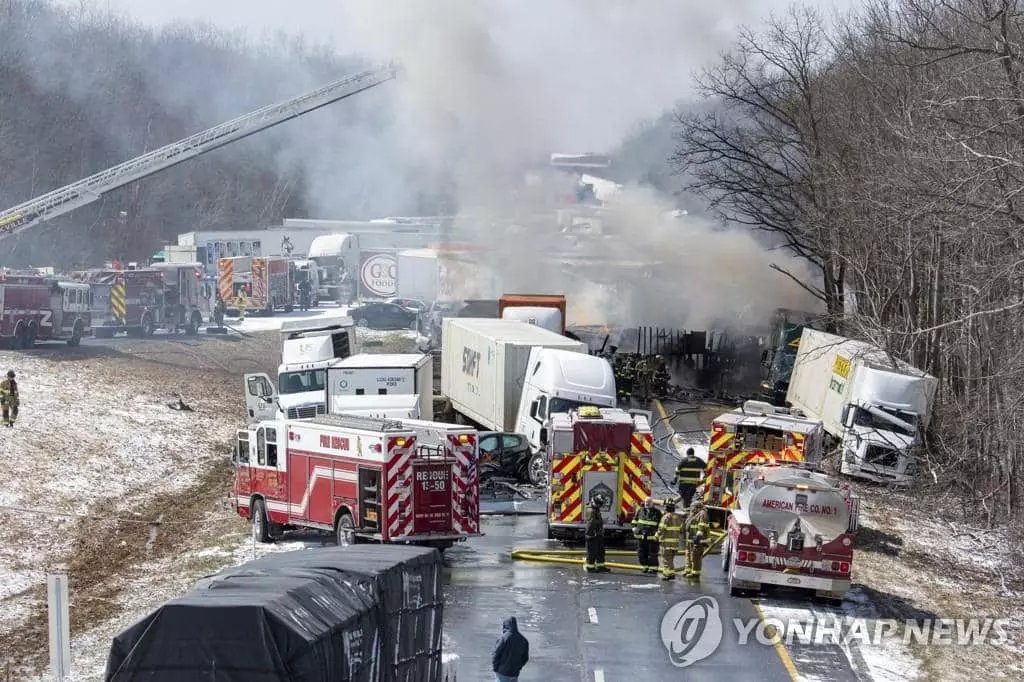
x=889 y=152
x=82 y=91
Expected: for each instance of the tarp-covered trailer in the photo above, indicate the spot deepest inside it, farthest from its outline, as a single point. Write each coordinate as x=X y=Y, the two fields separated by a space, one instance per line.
x=337 y=614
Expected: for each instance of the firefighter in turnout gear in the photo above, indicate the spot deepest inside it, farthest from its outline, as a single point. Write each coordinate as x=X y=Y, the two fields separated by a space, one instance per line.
x=689 y=473
x=642 y=381
x=242 y=302
x=660 y=379
x=305 y=296
x=697 y=534
x=218 y=311
x=595 y=538
x=9 y=398
x=645 y=525
x=667 y=537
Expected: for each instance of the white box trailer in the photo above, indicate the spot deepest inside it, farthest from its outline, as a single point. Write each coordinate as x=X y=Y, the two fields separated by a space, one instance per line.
x=484 y=362
x=419 y=274
x=874 y=406
x=369 y=374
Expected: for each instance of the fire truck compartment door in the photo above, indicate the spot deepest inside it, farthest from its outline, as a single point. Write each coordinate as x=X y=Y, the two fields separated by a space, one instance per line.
x=605 y=484
x=260 y=403
x=432 y=497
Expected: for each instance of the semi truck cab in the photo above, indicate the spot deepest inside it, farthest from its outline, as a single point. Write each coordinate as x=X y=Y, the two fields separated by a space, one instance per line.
x=556 y=382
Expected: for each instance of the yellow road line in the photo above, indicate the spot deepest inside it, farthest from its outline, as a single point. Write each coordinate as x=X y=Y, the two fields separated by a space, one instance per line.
x=780 y=648
x=673 y=437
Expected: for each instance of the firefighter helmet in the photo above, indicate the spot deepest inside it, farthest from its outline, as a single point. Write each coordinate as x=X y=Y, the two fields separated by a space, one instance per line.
x=670 y=505
x=10 y=374
x=689 y=452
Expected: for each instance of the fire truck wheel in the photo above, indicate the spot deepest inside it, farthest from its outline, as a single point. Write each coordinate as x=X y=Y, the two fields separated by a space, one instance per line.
x=20 y=336
x=345 y=530
x=147 y=325
x=726 y=556
x=33 y=334
x=260 y=525
x=194 y=323
x=76 y=334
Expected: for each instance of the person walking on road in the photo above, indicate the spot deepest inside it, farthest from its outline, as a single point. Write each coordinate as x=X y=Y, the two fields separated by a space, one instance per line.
x=511 y=652
x=9 y=399
x=689 y=473
x=645 y=525
x=595 y=539
x=667 y=535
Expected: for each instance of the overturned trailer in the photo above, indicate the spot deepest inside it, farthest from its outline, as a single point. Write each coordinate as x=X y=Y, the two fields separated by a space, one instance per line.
x=358 y=614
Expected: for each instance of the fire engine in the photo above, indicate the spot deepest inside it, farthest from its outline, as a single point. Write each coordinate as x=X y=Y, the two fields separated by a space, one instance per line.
x=791 y=527
x=35 y=308
x=138 y=301
x=361 y=478
x=755 y=433
x=597 y=452
x=269 y=282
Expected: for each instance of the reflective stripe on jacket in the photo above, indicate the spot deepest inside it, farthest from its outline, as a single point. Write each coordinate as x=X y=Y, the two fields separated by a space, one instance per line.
x=690 y=470
x=645 y=523
x=669 y=529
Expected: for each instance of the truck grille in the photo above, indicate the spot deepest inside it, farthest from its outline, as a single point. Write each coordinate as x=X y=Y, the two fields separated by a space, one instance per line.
x=307 y=411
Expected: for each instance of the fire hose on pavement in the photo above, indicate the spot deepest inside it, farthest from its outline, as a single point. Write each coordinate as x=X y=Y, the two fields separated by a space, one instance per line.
x=574 y=557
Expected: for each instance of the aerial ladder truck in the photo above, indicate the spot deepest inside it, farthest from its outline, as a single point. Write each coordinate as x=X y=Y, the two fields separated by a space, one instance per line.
x=66 y=199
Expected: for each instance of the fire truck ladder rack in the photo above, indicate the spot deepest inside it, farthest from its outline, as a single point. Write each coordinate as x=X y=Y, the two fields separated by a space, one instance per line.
x=78 y=194
x=361 y=423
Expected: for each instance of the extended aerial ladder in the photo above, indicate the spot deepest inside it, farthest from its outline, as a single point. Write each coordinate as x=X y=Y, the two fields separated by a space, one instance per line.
x=78 y=194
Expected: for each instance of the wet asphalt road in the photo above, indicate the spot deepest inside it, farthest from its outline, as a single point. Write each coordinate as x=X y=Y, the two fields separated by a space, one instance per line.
x=603 y=628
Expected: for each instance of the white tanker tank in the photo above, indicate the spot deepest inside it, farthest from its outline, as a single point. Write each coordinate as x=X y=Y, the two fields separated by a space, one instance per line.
x=791 y=527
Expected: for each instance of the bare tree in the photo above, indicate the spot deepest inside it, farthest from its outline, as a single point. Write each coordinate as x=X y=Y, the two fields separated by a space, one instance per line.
x=761 y=156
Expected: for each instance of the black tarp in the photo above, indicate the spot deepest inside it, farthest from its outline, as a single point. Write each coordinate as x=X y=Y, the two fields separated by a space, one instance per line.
x=352 y=614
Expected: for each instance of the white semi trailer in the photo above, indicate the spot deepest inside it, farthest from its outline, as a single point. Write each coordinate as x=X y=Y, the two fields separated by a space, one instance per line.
x=511 y=376
x=874 y=408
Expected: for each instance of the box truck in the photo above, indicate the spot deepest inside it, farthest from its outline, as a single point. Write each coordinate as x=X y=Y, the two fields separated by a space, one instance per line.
x=874 y=407
x=511 y=376
x=385 y=374
x=419 y=275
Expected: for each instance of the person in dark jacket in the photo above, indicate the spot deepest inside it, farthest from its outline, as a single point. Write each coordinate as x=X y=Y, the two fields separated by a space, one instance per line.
x=594 y=562
x=511 y=652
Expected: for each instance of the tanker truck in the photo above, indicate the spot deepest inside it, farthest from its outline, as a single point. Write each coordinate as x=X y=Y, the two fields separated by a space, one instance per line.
x=791 y=527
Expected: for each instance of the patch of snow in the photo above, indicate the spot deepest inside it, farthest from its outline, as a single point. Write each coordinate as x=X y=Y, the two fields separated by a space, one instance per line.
x=90 y=430
x=157 y=583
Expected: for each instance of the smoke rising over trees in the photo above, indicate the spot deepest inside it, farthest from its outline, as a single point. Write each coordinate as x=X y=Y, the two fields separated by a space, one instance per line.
x=887 y=152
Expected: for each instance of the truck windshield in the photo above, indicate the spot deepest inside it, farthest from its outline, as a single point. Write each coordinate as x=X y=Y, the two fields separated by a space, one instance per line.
x=301 y=382
x=872 y=421
x=562 y=405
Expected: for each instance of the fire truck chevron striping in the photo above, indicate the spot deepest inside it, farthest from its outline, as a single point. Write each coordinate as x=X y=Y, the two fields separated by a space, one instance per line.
x=756 y=433
x=258 y=270
x=383 y=480
x=117 y=300
x=226 y=280
x=597 y=452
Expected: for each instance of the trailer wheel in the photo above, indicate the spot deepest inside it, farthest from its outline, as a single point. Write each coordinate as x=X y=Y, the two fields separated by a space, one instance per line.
x=193 y=323
x=345 y=530
x=76 y=335
x=537 y=469
x=260 y=525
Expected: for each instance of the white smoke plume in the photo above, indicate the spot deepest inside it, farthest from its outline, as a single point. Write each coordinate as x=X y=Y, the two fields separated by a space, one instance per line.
x=491 y=88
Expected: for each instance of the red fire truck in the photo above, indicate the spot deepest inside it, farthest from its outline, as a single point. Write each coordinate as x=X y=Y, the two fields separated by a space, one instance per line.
x=597 y=452
x=269 y=283
x=791 y=527
x=35 y=308
x=138 y=301
x=361 y=478
x=755 y=433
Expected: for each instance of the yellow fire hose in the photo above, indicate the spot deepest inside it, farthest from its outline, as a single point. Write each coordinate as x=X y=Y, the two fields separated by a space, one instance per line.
x=574 y=557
